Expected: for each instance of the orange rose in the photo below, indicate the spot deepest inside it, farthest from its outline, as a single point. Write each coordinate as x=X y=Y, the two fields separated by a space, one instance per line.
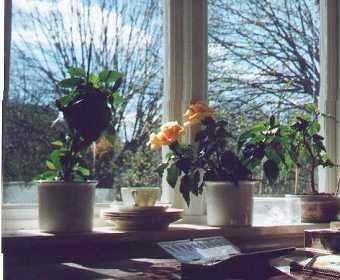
x=157 y=140
x=197 y=112
x=170 y=132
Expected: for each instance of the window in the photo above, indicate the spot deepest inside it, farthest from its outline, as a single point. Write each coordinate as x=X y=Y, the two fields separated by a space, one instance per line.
x=47 y=37
x=231 y=86
x=264 y=59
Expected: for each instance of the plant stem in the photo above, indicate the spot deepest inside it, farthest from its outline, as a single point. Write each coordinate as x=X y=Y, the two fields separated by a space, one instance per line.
x=89 y=61
x=312 y=180
x=296 y=185
x=309 y=149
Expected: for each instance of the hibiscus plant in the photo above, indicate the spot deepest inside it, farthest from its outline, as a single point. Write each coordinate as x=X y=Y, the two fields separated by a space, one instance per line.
x=306 y=144
x=285 y=146
x=210 y=158
x=86 y=105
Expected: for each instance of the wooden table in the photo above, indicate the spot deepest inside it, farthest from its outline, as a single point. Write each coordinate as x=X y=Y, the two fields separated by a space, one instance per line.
x=128 y=269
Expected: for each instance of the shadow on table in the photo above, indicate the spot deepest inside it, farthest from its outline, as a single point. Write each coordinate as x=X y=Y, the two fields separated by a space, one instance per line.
x=50 y=272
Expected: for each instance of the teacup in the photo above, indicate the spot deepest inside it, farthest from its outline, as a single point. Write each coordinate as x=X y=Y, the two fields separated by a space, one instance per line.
x=141 y=196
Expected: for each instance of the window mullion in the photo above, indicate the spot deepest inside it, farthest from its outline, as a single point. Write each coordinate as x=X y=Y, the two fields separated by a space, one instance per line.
x=329 y=89
x=186 y=69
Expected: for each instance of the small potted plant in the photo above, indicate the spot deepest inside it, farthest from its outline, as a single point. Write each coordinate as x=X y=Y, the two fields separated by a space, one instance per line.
x=66 y=197
x=307 y=150
x=210 y=162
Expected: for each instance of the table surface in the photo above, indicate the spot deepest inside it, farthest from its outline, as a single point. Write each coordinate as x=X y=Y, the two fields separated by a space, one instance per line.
x=128 y=269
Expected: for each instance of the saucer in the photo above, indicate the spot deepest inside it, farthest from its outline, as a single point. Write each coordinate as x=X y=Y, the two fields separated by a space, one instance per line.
x=142 y=220
x=137 y=209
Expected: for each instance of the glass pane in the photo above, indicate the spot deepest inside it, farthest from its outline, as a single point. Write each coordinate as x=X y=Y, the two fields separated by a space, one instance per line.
x=264 y=59
x=48 y=37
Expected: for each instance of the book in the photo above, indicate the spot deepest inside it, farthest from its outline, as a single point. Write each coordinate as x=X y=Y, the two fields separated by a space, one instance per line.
x=318 y=267
x=323 y=240
x=217 y=258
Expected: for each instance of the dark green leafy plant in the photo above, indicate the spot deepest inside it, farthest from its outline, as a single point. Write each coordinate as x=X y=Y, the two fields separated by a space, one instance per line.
x=266 y=144
x=306 y=144
x=182 y=164
x=87 y=105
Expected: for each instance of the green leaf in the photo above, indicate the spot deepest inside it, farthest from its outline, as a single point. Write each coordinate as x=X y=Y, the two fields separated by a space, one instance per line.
x=169 y=155
x=272 y=154
x=114 y=76
x=271 y=170
x=195 y=180
x=117 y=99
x=172 y=175
x=160 y=169
x=94 y=79
x=50 y=165
x=55 y=156
x=311 y=107
x=185 y=188
x=79 y=177
x=76 y=72
x=58 y=143
x=67 y=99
x=258 y=128
x=104 y=75
x=272 y=121
x=49 y=175
x=83 y=170
x=70 y=82
x=314 y=127
x=184 y=164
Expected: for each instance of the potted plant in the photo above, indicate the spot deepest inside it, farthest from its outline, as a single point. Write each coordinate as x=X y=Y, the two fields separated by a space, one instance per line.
x=307 y=149
x=66 y=197
x=210 y=162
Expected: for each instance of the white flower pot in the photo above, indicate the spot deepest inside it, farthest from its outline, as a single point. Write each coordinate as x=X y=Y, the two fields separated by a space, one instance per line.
x=66 y=207
x=229 y=205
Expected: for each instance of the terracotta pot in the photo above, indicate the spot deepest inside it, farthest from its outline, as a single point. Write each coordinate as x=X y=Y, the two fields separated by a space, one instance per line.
x=66 y=207
x=318 y=208
x=230 y=205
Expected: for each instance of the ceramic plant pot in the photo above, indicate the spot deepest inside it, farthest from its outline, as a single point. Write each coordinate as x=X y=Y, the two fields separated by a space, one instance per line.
x=230 y=205
x=66 y=207
x=318 y=208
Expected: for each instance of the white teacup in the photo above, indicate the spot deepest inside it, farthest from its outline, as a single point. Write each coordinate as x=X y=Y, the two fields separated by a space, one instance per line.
x=141 y=196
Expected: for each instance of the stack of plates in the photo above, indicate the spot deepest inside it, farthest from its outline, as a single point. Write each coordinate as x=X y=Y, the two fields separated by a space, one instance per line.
x=142 y=218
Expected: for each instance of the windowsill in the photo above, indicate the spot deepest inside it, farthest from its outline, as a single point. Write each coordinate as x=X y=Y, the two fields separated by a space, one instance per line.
x=247 y=238
x=20 y=235
x=175 y=230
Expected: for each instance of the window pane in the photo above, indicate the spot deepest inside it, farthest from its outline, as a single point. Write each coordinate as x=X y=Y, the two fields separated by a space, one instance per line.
x=264 y=59
x=48 y=37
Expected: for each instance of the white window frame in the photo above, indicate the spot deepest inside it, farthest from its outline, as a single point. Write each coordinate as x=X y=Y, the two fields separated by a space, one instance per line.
x=329 y=101
x=186 y=78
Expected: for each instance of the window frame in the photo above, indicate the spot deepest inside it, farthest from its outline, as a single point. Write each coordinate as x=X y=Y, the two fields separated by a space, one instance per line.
x=185 y=78
x=329 y=101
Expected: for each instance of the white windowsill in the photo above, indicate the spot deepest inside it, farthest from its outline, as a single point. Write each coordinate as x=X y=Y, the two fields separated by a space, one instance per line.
x=25 y=217
x=20 y=221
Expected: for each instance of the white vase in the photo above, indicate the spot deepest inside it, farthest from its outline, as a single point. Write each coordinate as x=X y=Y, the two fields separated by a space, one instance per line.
x=66 y=207
x=229 y=205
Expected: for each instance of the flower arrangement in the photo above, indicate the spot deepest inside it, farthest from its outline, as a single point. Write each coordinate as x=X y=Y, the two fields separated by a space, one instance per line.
x=87 y=104
x=210 y=158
